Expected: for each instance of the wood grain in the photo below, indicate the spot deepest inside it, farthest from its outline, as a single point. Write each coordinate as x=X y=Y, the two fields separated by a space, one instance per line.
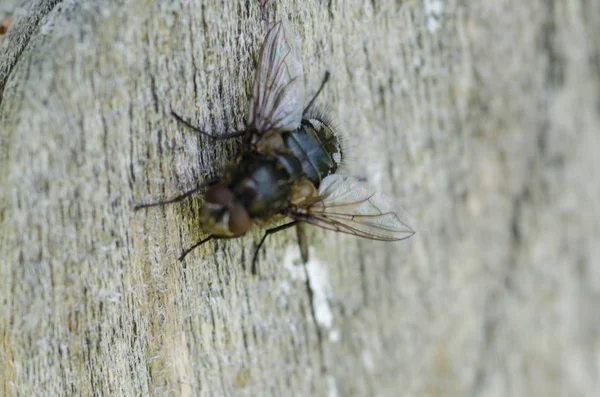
x=480 y=118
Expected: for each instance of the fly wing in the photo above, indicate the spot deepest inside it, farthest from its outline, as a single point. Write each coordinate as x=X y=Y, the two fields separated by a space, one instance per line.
x=346 y=205
x=277 y=95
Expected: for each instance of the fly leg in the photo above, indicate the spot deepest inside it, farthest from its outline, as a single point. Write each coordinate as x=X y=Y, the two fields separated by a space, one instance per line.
x=196 y=245
x=303 y=191
x=262 y=241
x=302 y=243
x=202 y=132
x=199 y=243
x=176 y=199
x=325 y=79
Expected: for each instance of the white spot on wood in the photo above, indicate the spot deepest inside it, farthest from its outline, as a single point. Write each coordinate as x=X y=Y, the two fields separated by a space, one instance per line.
x=334 y=335
x=285 y=287
x=367 y=359
x=433 y=12
x=284 y=291
x=318 y=280
x=332 y=390
x=319 y=284
x=293 y=263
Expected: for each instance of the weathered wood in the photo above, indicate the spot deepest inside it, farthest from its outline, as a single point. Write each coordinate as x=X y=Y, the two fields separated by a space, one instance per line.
x=482 y=118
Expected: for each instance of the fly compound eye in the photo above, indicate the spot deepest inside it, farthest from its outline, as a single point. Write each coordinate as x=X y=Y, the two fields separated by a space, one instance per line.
x=239 y=221
x=219 y=194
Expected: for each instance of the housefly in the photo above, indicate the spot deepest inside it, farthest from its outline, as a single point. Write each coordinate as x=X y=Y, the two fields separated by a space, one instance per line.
x=287 y=165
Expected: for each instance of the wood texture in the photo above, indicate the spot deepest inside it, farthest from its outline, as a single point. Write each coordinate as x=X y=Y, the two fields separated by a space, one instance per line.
x=480 y=118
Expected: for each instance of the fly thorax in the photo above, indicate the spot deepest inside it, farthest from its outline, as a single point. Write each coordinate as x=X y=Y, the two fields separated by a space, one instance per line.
x=268 y=142
x=262 y=183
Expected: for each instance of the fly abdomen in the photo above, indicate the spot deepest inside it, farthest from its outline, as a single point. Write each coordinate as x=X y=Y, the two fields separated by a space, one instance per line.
x=317 y=148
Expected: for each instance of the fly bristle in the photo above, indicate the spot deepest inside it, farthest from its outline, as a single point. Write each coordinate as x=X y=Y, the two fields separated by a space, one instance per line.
x=324 y=114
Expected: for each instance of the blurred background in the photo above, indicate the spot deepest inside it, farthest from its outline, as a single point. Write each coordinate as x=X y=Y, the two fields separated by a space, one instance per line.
x=480 y=119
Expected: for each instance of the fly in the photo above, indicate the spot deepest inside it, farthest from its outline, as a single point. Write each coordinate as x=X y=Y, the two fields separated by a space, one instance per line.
x=287 y=165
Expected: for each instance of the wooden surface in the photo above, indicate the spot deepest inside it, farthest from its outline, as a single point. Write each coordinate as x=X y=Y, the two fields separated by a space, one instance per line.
x=481 y=118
